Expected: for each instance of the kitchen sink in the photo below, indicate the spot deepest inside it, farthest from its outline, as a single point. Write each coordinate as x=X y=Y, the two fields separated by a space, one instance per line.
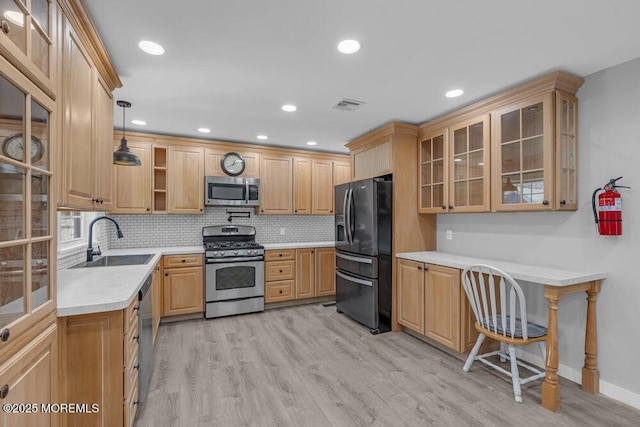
x=116 y=260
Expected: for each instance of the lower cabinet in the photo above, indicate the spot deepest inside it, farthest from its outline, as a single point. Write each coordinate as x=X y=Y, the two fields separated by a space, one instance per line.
x=99 y=366
x=299 y=274
x=31 y=376
x=431 y=301
x=156 y=298
x=183 y=285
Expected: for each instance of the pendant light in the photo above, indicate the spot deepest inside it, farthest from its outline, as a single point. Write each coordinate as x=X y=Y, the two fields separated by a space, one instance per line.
x=124 y=156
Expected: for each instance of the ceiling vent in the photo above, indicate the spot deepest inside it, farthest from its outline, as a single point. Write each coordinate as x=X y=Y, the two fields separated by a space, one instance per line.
x=347 y=105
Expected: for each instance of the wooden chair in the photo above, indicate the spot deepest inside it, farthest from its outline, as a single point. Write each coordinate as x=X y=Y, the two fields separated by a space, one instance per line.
x=492 y=292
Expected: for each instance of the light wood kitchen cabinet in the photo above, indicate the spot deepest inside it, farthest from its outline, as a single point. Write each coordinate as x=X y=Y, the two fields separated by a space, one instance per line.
x=442 y=321
x=432 y=302
x=213 y=159
x=133 y=184
x=99 y=354
x=185 y=172
x=411 y=302
x=86 y=106
x=279 y=275
x=31 y=377
x=315 y=272
x=524 y=156
x=28 y=44
x=305 y=273
x=341 y=172
x=276 y=184
x=325 y=271
x=159 y=179
x=455 y=168
x=302 y=187
x=183 y=287
x=566 y=152
x=322 y=187
x=156 y=298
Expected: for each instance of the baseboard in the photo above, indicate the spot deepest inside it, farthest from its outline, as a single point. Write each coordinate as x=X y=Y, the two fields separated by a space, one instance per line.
x=610 y=390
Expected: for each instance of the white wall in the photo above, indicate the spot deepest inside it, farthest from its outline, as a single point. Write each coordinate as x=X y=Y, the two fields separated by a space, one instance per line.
x=609 y=146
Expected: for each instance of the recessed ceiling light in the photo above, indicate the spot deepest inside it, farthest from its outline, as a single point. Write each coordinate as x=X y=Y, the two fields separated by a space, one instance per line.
x=348 y=46
x=454 y=93
x=289 y=108
x=204 y=130
x=262 y=137
x=311 y=143
x=151 y=47
x=15 y=17
x=139 y=122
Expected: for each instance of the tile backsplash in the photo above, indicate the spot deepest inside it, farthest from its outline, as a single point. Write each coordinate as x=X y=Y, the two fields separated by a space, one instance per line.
x=181 y=230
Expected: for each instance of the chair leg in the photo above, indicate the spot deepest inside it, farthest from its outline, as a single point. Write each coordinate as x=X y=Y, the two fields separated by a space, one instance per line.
x=474 y=352
x=515 y=375
x=503 y=350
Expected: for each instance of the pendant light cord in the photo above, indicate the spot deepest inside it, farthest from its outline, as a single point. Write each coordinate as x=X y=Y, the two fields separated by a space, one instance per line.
x=123 y=121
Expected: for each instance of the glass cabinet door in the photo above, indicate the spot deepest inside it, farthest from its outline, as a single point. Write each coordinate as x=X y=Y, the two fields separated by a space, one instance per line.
x=26 y=33
x=26 y=231
x=523 y=162
x=469 y=156
x=566 y=151
x=433 y=196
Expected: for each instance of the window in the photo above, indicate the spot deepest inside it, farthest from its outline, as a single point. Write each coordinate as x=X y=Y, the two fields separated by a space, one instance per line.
x=73 y=229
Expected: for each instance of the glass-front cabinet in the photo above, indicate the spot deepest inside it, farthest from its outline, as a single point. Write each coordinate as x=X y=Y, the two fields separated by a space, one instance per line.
x=566 y=151
x=523 y=155
x=455 y=168
x=26 y=228
x=26 y=38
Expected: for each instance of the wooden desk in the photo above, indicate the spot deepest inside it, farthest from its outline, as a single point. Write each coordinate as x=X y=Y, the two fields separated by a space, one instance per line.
x=557 y=283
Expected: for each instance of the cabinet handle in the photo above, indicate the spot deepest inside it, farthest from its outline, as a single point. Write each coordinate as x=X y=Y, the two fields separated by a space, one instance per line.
x=419 y=267
x=450 y=207
x=148 y=209
x=201 y=210
x=280 y=271
x=135 y=402
x=545 y=202
x=184 y=260
x=4 y=335
x=296 y=211
x=137 y=307
x=166 y=274
x=5 y=27
x=444 y=207
x=563 y=202
x=312 y=252
x=158 y=268
x=136 y=366
x=279 y=254
x=4 y=391
x=137 y=338
x=280 y=291
x=261 y=210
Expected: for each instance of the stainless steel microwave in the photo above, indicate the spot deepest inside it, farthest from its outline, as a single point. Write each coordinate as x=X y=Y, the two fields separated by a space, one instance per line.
x=231 y=191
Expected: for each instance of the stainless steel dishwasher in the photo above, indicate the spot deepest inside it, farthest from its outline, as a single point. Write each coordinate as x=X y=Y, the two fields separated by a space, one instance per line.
x=145 y=340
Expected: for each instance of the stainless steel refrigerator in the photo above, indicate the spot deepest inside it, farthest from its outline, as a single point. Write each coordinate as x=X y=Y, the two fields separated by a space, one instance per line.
x=363 y=251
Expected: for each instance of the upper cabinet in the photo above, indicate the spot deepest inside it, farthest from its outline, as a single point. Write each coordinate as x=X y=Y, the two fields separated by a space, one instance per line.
x=454 y=168
x=185 y=173
x=322 y=186
x=341 y=172
x=27 y=31
x=276 y=184
x=515 y=151
x=213 y=163
x=133 y=184
x=86 y=81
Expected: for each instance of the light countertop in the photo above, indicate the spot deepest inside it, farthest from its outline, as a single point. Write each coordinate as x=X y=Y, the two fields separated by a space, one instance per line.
x=98 y=289
x=525 y=272
x=295 y=245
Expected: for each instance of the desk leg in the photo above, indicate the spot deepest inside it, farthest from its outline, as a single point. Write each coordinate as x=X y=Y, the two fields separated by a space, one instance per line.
x=590 y=373
x=550 y=385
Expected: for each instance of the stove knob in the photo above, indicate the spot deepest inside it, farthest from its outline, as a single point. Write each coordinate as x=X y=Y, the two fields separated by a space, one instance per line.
x=252 y=252
x=235 y=252
x=217 y=254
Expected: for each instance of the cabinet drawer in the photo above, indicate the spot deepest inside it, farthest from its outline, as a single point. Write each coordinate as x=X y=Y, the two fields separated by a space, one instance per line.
x=186 y=260
x=131 y=405
x=279 y=255
x=131 y=344
x=131 y=376
x=279 y=270
x=131 y=313
x=279 y=291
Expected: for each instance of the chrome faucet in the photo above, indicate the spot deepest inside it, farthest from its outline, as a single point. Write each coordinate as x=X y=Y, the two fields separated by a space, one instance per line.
x=90 y=251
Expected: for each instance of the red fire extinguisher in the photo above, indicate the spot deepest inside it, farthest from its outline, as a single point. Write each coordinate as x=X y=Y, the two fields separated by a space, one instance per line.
x=608 y=213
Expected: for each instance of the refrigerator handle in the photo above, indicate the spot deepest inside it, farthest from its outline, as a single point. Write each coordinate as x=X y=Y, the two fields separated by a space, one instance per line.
x=354 y=280
x=347 y=216
x=351 y=208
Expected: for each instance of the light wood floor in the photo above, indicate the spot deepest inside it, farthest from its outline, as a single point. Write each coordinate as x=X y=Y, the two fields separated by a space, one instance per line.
x=309 y=366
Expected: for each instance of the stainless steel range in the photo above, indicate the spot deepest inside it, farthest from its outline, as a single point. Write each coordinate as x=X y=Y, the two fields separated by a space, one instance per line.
x=234 y=272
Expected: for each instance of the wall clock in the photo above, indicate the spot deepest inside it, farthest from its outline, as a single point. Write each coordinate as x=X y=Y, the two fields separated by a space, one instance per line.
x=13 y=147
x=232 y=164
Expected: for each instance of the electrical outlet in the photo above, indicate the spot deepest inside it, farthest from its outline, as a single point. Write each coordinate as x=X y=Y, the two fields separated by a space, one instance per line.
x=449 y=234
x=283 y=231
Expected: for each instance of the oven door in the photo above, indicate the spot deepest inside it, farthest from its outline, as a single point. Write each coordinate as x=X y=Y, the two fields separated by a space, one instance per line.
x=234 y=280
